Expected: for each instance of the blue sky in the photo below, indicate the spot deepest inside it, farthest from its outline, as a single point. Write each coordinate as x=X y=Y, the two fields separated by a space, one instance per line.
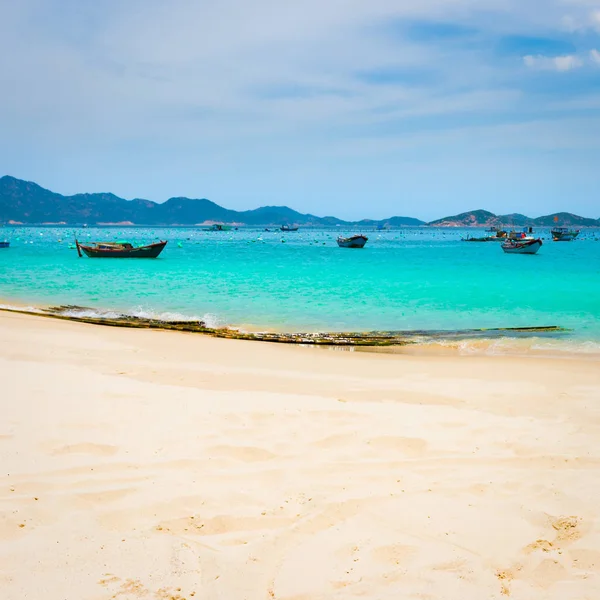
x=354 y=108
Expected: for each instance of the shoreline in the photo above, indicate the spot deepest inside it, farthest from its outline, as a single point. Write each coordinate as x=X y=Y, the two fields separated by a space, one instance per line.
x=518 y=341
x=156 y=464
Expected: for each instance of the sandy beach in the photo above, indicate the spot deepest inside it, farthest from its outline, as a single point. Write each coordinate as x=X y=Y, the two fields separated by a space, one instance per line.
x=161 y=465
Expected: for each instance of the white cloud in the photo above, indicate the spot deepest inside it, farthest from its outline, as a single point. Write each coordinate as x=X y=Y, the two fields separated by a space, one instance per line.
x=595 y=56
x=583 y=19
x=568 y=62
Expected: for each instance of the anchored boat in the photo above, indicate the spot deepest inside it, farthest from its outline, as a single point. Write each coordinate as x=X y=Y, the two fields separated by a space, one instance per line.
x=218 y=227
x=356 y=241
x=564 y=234
x=288 y=228
x=4 y=244
x=524 y=246
x=119 y=250
x=500 y=235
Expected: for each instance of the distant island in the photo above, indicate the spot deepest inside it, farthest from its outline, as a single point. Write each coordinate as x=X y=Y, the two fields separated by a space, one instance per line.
x=484 y=218
x=26 y=203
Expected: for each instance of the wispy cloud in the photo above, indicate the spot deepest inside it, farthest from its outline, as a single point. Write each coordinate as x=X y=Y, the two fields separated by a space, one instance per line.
x=562 y=64
x=585 y=20
x=595 y=56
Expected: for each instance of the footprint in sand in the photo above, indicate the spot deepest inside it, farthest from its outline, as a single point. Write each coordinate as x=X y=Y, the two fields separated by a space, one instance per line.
x=567 y=528
x=134 y=588
x=544 y=563
x=539 y=545
x=505 y=577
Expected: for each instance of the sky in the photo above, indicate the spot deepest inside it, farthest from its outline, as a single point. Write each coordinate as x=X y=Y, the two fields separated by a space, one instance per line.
x=353 y=108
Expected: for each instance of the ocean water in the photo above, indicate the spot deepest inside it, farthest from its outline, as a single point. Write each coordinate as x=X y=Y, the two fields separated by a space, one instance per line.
x=301 y=281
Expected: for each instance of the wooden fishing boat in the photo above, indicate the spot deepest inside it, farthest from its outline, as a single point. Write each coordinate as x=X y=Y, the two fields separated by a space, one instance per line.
x=119 y=250
x=525 y=246
x=564 y=234
x=288 y=228
x=4 y=244
x=356 y=241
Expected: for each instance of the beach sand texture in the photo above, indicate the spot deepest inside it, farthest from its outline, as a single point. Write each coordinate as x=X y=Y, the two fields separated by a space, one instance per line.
x=166 y=466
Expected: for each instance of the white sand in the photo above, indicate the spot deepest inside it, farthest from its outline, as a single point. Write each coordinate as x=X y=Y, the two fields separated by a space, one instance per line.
x=160 y=465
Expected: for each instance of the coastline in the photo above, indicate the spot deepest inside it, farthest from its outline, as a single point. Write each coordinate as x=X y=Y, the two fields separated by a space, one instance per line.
x=517 y=341
x=158 y=464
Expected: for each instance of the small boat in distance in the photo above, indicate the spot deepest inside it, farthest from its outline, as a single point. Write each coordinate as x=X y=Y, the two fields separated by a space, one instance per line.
x=288 y=228
x=524 y=246
x=499 y=237
x=119 y=250
x=219 y=227
x=356 y=241
x=4 y=244
x=564 y=234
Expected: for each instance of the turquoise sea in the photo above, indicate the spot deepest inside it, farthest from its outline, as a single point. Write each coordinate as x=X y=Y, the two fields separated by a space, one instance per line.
x=415 y=278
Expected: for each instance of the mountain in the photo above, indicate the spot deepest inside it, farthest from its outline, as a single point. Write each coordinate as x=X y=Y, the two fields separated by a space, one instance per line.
x=484 y=218
x=391 y=222
x=474 y=218
x=515 y=220
x=566 y=220
x=26 y=202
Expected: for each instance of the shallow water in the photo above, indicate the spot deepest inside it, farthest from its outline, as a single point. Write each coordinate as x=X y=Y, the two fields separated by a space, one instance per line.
x=301 y=281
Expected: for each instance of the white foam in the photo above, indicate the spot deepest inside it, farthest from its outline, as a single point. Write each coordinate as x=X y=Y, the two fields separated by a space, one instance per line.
x=211 y=320
x=15 y=307
x=90 y=313
x=507 y=346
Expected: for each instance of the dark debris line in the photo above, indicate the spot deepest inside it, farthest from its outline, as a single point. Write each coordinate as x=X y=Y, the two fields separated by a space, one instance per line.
x=371 y=338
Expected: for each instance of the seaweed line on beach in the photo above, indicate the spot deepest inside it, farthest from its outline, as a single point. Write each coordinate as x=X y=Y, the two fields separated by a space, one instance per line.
x=370 y=338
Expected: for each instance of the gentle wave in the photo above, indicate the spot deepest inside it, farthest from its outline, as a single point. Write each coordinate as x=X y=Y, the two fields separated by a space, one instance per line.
x=22 y=308
x=209 y=319
x=510 y=346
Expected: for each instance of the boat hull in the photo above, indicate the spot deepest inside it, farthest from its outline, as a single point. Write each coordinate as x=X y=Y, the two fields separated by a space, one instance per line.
x=150 y=251
x=565 y=237
x=563 y=234
x=4 y=244
x=525 y=247
x=357 y=241
x=218 y=227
